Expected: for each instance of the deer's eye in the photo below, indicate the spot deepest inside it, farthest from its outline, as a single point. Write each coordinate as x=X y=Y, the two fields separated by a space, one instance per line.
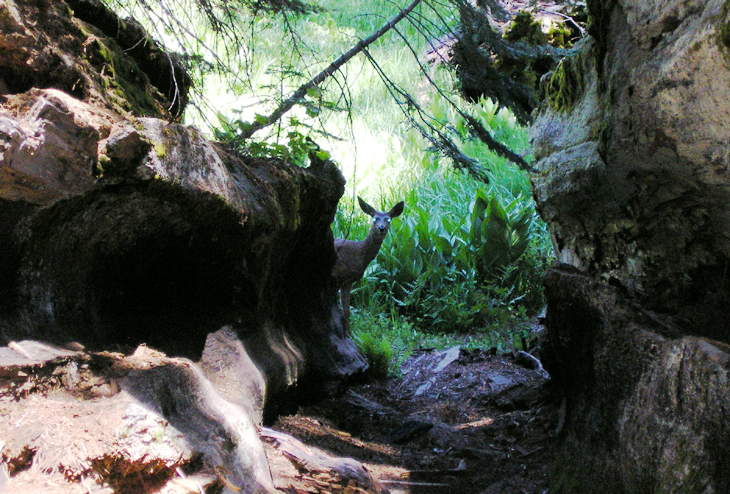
x=387 y=219
x=375 y=220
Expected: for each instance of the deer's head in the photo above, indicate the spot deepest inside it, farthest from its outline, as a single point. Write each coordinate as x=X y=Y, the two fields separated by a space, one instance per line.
x=381 y=221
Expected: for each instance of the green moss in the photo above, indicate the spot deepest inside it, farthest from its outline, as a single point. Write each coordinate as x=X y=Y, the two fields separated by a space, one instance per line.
x=132 y=85
x=559 y=36
x=6 y=19
x=101 y=50
x=565 y=85
x=120 y=79
x=696 y=46
x=159 y=433
x=160 y=149
x=723 y=35
x=526 y=28
x=98 y=170
x=599 y=22
x=723 y=31
x=531 y=77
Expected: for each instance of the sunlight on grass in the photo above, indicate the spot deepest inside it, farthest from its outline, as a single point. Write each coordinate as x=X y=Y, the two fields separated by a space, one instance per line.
x=372 y=134
x=389 y=339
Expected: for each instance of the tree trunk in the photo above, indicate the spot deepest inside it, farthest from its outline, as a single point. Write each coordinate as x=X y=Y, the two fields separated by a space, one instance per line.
x=632 y=159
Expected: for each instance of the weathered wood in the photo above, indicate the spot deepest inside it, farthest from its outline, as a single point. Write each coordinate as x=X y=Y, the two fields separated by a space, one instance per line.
x=638 y=401
x=371 y=406
x=162 y=415
x=343 y=472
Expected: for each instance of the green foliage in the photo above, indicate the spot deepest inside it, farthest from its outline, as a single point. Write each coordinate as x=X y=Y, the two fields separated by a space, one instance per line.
x=296 y=149
x=403 y=337
x=450 y=275
x=503 y=126
x=527 y=29
x=499 y=235
x=377 y=351
x=464 y=256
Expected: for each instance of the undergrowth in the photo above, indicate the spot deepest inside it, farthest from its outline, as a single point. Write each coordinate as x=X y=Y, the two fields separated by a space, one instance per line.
x=464 y=264
x=387 y=340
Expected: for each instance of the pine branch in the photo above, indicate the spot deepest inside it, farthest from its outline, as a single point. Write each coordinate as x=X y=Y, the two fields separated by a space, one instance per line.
x=436 y=137
x=475 y=126
x=295 y=98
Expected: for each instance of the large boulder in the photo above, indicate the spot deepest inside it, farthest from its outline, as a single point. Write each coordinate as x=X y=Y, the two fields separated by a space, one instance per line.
x=631 y=148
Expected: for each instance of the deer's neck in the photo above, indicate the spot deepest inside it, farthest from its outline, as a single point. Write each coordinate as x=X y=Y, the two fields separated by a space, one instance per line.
x=372 y=245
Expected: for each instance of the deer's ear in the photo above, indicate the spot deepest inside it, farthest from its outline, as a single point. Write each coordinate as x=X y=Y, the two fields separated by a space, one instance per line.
x=367 y=208
x=397 y=210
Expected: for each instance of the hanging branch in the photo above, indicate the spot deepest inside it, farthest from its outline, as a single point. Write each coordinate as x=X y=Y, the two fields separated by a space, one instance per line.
x=295 y=98
x=438 y=139
x=223 y=24
x=476 y=127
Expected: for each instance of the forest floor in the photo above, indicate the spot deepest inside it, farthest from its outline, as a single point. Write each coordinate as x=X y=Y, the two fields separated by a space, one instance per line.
x=456 y=421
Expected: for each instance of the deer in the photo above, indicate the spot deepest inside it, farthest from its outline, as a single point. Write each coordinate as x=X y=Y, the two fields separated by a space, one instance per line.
x=354 y=256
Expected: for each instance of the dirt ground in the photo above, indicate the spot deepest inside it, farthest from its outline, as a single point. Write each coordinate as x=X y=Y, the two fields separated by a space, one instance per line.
x=456 y=421
x=466 y=421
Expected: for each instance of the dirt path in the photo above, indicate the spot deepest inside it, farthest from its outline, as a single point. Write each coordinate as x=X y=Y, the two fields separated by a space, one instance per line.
x=457 y=421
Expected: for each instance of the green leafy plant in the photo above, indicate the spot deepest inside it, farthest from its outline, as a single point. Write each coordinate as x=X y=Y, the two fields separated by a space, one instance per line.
x=377 y=351
x=456 y=274
x=499 y=235
x=295 y=149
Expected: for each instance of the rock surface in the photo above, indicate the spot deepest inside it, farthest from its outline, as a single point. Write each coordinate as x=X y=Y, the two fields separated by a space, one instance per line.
x=85 y=50
x=647 y=409
x=119 y=227
x=633 y=179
